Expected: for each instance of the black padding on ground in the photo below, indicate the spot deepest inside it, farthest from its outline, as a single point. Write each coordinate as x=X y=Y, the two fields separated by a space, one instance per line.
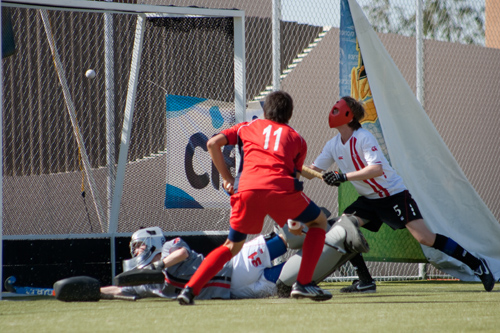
x=78 y=289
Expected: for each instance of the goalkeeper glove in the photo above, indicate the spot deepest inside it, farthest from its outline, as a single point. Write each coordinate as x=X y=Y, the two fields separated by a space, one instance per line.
x=334 y=178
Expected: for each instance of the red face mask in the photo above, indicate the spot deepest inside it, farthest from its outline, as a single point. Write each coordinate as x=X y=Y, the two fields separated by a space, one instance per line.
x=342 y=117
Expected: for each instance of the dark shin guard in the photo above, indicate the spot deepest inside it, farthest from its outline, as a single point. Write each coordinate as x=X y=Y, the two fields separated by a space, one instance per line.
x=453 y=249
x=359 y=264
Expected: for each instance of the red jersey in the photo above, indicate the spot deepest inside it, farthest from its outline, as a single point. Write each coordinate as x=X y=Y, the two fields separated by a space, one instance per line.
x=270 y=153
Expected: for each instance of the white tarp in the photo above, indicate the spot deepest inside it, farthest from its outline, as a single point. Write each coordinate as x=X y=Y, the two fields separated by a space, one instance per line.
x=447 y=200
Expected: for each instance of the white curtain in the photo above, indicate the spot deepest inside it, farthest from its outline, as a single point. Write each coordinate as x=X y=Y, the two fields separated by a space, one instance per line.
x=447 y=200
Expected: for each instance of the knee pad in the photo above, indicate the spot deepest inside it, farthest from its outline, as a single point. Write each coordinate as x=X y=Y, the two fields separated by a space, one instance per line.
x=354 y=239
x=335 y=237
x=293 y=242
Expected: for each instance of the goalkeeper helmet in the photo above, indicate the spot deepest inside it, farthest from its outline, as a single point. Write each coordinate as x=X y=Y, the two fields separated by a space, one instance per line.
x=144 y=246
x=340 y=114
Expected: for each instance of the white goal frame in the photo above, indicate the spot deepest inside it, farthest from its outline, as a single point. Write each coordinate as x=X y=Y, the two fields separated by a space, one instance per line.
x=142 y=12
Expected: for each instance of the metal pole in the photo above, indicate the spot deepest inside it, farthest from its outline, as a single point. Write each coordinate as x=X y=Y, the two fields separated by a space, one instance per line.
x=422 y=267
x=109 y=63
x=239 y=69
x=127 y=121
x=420 y=53
x=276 y=45
x=1 y=160
x=240 y=89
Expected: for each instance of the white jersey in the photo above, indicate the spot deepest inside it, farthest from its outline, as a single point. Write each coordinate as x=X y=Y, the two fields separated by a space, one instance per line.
x=248 y=279
x=241 y=277
x=361 y=150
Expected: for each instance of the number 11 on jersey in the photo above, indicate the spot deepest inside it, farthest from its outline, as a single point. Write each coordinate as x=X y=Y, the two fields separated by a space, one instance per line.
x=277 y=134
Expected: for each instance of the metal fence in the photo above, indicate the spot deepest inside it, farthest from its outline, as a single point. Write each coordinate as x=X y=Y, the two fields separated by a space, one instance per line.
x=43 y=178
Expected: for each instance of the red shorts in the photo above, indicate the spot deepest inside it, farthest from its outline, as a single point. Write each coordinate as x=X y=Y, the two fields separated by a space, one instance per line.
x=249 y=208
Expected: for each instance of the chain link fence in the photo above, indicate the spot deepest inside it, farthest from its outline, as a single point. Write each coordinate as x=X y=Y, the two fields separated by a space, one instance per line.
x=43 y=173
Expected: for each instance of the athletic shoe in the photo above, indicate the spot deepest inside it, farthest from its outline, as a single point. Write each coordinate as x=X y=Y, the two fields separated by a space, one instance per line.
x=360 y=287
x=484 y=273
x=186 y=297
x=311 y=291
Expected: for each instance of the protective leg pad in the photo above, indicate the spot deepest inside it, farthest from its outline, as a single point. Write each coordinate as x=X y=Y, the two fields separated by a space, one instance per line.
x=78 y=289
x=294 y=242
x=355 y=241
x=136 y=277
x=329 y=261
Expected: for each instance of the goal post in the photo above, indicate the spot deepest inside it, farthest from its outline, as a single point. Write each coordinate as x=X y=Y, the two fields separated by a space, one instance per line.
x=57 y=135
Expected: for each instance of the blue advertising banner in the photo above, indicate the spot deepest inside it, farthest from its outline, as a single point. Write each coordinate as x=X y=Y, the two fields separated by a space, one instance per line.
x=353 y=80
x=192 y=181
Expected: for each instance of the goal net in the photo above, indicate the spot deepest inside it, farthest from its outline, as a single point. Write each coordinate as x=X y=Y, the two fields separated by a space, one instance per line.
x=89 y=156
x=101 y=157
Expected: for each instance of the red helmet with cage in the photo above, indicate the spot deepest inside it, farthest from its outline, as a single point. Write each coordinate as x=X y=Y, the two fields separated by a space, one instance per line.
x=340 y=114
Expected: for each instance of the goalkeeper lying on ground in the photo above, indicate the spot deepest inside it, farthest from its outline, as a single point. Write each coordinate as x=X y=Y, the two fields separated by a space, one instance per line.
x=250 y=274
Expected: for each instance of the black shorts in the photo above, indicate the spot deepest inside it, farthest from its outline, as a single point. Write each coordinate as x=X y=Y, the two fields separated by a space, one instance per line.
x=395 y=211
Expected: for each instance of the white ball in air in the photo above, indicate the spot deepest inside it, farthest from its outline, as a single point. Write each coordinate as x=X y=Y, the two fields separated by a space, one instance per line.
x=90 y=74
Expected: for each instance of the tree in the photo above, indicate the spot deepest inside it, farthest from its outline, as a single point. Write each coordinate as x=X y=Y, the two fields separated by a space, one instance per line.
x=446 y=20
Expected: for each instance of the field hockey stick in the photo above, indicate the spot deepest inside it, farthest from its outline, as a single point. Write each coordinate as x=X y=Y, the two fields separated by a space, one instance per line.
x=10 y=286
x=310 y=172
x=120 y=297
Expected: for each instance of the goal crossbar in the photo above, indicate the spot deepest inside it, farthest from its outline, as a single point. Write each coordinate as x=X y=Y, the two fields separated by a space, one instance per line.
x=121 y=8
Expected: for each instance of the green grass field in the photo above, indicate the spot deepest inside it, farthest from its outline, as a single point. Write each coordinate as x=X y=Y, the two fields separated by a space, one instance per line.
x=416 y=306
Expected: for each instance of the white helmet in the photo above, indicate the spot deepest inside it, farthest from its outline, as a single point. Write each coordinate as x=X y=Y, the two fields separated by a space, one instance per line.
x=151 y=241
